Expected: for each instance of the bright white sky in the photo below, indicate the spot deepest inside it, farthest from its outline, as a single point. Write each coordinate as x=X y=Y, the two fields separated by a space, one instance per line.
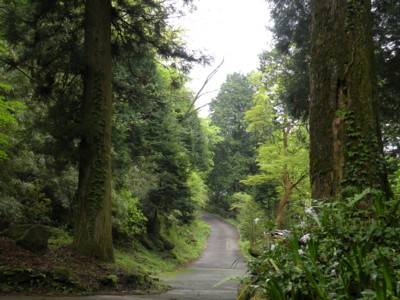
x=233 y=30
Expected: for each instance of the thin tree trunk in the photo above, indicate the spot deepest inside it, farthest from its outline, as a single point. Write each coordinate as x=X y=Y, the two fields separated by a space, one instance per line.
x=93 y=234
x=346 y=151
x=286 y=182
x=288 y=187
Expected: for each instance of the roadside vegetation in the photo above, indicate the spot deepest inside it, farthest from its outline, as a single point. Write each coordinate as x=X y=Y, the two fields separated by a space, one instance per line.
x=61 y=271
x=317 y=206
x=337 y=250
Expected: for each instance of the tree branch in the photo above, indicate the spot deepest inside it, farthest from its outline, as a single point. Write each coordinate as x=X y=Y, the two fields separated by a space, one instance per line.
x=199 y=94
x=302 y=177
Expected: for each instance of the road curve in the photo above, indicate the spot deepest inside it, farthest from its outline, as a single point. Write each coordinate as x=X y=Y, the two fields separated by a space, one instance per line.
x=221 y=259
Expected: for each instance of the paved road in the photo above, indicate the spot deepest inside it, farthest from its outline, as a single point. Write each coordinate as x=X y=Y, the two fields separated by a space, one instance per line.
x=221 y=259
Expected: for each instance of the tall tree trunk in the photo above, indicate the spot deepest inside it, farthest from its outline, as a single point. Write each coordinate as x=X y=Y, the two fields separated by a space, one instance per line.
x=93 y=234
x=346 y=150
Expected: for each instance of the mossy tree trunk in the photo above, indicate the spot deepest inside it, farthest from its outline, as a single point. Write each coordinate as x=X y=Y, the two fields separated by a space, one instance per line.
x=93 y=235
x=346 y=151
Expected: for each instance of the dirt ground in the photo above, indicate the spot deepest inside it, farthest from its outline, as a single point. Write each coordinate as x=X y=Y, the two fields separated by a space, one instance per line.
x=205 y=279
x=61 y=271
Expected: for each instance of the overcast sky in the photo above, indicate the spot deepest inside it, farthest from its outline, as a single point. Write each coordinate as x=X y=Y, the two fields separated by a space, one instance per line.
x=233 y=30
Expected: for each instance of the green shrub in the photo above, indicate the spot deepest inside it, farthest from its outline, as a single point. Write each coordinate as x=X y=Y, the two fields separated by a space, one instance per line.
x=38 y=189
x=198 y=189
x=10 y=111
x=11 y=211
x=396 y=182
x=348 y=249
x=250 y=216
x=128 y=219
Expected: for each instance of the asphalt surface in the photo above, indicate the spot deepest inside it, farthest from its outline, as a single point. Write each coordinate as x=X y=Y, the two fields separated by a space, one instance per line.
x=205 y=279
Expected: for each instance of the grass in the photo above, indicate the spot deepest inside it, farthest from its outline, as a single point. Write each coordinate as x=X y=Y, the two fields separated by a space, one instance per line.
x=244 y=246
x=189 y=242
x=243 y=243
x=134 y=269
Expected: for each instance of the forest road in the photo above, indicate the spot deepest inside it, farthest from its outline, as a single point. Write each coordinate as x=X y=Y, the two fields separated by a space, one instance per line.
x=221 y=259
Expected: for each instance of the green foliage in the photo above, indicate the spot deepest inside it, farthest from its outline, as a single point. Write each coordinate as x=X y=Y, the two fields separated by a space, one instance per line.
x=386 y=17
x=37 y=192
x=35 y=186
x=110 y=280
x=45 y=44
x=198 y=189
x=274 y=158
x=189 y=242
x=342 y=250
x=59 y=237
x=10 y=112
x=282 y=153
x=22 y=279
x=11 y=211
x=33 y=176
x=361 y=149
x=291 y=28
x=128 y=219
x=155 y=150
x=250 y=216
x=396 y=183
x=234 y=152
x=212 y=137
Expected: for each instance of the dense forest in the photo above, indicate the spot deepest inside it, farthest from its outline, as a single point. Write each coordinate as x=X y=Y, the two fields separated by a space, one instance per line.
x=100 y=138
x=102 y=147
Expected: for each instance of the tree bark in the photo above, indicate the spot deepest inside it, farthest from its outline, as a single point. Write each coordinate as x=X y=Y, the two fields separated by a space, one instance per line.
x=93 y=235
x=288 y=187
x=346 y=151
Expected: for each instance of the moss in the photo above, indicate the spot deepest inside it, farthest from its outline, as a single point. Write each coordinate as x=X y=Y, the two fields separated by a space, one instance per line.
x=343 y=102
x=24 y=279
x=63 y=275
x=16 y=231
x=109 y=281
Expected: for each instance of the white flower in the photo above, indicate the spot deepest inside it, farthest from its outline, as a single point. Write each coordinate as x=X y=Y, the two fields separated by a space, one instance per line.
x=333 y=267
x=302 y=224
x=309 y=210
x=300 y=251
x=256 y=220
x=305 y=238
x=273 y=246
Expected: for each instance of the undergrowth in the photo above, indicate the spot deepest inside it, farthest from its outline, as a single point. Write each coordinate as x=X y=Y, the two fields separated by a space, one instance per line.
x=63 y=271
x=188 y=241
x=345 y=249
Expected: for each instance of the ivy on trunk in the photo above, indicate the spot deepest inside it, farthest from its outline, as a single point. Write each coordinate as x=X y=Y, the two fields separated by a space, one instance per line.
x=346 y=151
x=93 y=234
